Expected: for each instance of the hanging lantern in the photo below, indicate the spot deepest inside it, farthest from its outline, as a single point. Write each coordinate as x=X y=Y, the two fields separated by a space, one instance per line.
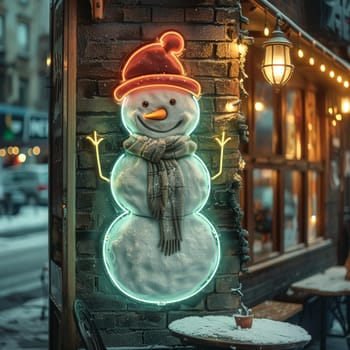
x=276 y=66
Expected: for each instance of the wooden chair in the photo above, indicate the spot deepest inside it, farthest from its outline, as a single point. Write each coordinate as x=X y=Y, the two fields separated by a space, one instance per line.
x=87 y=327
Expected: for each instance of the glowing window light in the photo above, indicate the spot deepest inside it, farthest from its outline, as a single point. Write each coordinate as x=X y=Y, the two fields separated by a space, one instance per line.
x=259 y=106
x=322 y=68
x=300 y=53
x=2 y=152
x=311 y=61
x=36 y=150
x=339 y=79
x=22 y=158
x=346 y=84
x=345 y=105
x=332 y=74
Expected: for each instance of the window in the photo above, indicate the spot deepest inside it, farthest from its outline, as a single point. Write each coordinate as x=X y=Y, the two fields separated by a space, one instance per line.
x=23 y=91
x=23 y=38
x=284 y=172
x=2 y=32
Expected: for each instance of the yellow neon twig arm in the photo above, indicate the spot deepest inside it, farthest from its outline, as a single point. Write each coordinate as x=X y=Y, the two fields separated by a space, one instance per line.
x=222 y=144
x=96 y=141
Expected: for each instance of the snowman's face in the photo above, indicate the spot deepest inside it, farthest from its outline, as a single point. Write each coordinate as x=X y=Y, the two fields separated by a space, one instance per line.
x=159 y=112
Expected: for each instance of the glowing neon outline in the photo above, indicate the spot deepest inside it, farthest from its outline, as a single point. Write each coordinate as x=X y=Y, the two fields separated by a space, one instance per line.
x=222 y=144
x=153 y=79
x=96 y=142
x=166 y=301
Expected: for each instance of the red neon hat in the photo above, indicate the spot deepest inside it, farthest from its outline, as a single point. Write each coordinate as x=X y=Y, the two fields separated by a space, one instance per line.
x=156 y=64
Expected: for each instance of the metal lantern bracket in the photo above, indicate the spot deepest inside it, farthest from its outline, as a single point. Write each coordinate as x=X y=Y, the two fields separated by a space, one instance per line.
x=97 y=7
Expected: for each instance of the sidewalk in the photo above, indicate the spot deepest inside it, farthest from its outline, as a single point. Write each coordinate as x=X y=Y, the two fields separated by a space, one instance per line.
x=23 y=327
x=29 y=219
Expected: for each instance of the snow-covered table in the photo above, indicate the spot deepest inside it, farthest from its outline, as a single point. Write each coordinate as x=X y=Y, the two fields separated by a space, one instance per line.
x=221 y=331
x=331 y=287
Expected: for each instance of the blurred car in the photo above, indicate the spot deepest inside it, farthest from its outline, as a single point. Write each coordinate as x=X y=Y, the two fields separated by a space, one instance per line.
x=11 y=199
x=32 y=181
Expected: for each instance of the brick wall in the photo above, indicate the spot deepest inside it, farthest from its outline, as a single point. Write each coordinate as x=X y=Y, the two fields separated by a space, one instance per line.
x=211 y=31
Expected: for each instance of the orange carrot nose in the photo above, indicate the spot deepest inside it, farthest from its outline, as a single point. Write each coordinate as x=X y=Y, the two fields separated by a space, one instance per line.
x=159 y=114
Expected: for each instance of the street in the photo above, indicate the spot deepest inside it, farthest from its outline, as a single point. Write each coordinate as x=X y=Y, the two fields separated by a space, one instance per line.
x=22 y=260
x=24 y=279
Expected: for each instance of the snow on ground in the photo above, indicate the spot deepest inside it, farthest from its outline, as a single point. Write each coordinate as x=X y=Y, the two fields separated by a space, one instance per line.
x=30 y=217
x=25 y=326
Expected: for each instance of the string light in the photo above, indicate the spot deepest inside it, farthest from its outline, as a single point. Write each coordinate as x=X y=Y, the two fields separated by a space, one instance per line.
x=346 y=84
x=339 y=79
x=332 y=74
x=311 y=61
x=322 y=68
x=334 y=122
x=300 y=53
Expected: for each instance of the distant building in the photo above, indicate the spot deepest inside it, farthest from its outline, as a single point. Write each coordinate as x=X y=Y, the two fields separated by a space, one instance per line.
x=24 y=77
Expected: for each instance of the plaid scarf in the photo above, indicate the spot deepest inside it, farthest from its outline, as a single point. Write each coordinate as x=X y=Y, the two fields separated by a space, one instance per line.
x=165 y=183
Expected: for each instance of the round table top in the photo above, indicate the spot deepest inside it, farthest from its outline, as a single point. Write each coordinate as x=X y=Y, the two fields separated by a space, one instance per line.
x=221 y=331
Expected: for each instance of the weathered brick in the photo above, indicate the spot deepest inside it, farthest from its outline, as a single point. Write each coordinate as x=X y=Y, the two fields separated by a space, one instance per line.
x=115 y=337
x=226 y=15
x=86 y=160
x=206 y=68
x=208 y=86
x=229 y=264
x=199 y=14
x=227 y=50
x=87 y=247
x=160 y=337
x=227 y=86
x=234 y=69
x=199 y=49
x=97 y=105
x=98 y=302
x=110 y=31
x=225 y=301
x=163 y=14
x=85 y=221
x=141 y=320
x=193 y=32
x=225 y=283
x=86 y=179
x=137 y=14
x=106 y=87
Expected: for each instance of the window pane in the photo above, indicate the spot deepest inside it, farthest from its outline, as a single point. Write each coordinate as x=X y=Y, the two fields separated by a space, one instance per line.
x=264 y=119
x=312 y=206
x=294 y=117
x=23 y=38
x=263 y=202
x=292 y=188
x=313 y=129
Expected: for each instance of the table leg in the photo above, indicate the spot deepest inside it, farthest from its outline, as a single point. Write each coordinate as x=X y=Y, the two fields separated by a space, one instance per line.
x=347 y=334
x=323 y=338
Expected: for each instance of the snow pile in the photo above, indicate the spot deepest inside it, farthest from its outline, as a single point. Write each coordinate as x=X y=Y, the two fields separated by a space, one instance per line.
x=224 y=328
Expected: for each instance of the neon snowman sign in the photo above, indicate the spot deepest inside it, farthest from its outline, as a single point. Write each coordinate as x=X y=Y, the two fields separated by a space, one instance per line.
x=161 y=249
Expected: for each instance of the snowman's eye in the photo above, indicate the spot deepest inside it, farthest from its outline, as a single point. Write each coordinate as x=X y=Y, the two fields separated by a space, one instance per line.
x=145 y=104
x=172 y=101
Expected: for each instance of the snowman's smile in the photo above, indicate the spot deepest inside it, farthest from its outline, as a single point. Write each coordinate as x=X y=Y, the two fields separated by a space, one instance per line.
x=156 y=130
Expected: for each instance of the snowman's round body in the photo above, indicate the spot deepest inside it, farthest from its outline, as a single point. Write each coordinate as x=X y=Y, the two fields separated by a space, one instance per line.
x=134 y=261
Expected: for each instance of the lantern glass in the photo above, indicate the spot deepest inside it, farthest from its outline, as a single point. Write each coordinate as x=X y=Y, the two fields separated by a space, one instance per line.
x=277 y=67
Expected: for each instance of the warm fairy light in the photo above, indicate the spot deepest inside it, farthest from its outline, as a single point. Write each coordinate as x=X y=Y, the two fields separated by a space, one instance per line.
x=332 y=74
x=334 y=122
x=338 y=117
x=15 y=150
x=346 y=84
x=10 y=150
x=30 y=152
x=313 y=219
x=22 y=158
x=259 y=106
x=300 y=53
x=266 y=31
x=2 y=152
x=339 y=79
x=36 y=150
x=322 y=68
x=311 y=61
x=330 y=110
x=48 y=61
